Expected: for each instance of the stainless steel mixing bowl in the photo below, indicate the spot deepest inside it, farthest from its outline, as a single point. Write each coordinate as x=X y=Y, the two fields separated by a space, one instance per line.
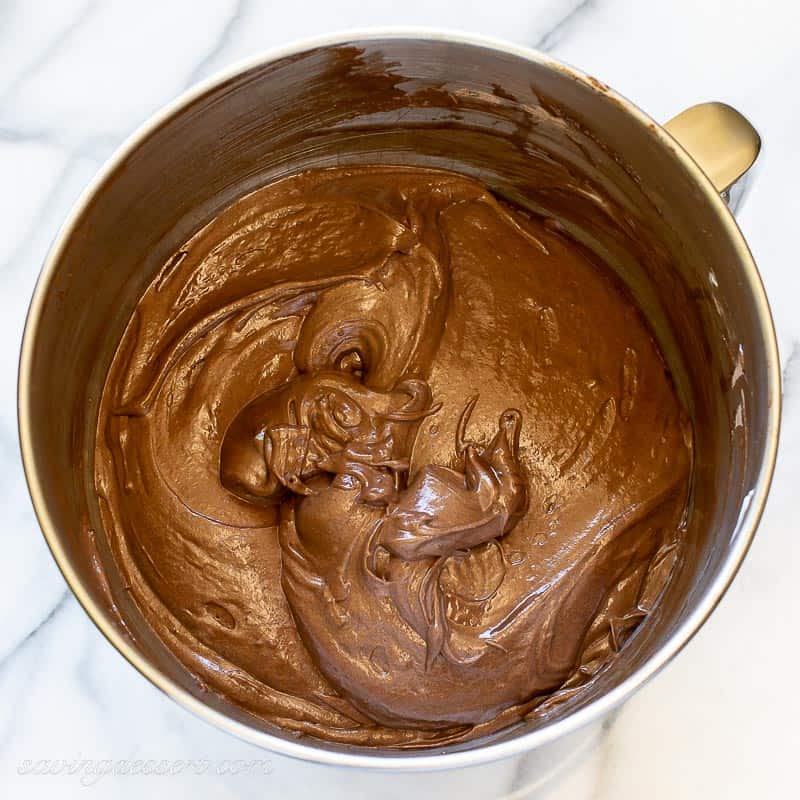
x=506 y=115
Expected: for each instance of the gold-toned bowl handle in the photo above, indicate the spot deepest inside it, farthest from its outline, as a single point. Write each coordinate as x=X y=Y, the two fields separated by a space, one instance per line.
x=722 y=142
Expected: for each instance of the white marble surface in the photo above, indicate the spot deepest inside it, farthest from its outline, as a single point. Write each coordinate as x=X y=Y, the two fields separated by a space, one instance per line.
x=75 y=78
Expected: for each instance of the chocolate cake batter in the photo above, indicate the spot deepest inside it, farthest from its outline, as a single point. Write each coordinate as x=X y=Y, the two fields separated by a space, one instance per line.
x=389 y=462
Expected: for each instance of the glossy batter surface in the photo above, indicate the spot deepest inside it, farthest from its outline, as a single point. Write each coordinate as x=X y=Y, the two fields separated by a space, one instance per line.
x=386 y=461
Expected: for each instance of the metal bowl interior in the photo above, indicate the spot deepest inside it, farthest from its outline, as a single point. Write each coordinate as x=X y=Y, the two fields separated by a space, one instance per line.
x=512 y=118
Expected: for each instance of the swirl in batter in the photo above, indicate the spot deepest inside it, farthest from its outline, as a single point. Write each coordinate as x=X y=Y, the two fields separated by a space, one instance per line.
x=389 y=462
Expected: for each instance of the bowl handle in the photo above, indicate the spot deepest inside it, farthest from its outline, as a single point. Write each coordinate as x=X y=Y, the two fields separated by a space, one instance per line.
x=722 y=142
